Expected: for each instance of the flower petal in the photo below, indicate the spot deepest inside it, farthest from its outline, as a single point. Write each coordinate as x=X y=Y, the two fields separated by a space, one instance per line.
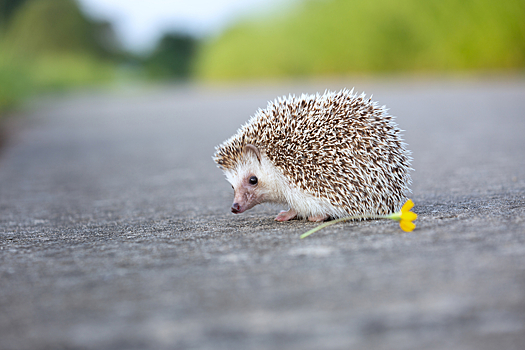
x=408 y=215
x=407 y=226
x=407 y=206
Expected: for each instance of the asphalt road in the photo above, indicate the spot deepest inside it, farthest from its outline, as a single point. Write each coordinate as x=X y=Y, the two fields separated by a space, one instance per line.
x=115 y=230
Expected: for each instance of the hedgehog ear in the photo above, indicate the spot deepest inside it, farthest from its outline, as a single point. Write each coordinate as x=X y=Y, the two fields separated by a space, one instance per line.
x=251 y=148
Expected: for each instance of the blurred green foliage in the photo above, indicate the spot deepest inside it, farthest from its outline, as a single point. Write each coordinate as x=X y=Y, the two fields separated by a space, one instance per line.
x=340 y=37
x=49 y=45
x=173 y=57
x=14 y=82
x=7 y=8
x=53 y=26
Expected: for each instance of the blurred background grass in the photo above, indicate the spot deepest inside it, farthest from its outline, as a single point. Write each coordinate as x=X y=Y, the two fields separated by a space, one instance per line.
x=51 y=45
x=370 y=36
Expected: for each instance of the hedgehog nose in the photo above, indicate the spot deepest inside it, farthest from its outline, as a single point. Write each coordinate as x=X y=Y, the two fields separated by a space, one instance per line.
x=236 y=208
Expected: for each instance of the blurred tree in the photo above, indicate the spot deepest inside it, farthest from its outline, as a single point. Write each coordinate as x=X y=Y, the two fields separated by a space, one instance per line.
x=58 y=26
x=172 y=58
x=107 y=42
x=7 y=8
x=52 y=45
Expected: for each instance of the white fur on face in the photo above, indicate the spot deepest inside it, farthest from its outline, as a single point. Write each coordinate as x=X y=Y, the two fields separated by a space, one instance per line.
x=248 y=195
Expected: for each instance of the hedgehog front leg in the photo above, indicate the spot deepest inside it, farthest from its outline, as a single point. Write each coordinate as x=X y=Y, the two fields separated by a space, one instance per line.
x=286 y=215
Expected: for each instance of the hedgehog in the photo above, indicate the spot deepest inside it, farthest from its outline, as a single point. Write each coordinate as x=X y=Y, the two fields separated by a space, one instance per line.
x=324 y=156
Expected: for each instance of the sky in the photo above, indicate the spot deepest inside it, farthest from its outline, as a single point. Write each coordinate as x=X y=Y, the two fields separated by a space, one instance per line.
x=140 y=23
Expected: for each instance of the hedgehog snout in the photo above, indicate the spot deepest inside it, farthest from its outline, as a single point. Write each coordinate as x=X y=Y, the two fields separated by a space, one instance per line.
x=246 y=197
x=236 y=208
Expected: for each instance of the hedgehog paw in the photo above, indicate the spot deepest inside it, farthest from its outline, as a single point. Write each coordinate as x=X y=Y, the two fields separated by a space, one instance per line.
x=286 y=215
x=318 y=218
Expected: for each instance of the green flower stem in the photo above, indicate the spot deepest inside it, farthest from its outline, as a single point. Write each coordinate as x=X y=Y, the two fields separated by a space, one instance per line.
x=328 y=223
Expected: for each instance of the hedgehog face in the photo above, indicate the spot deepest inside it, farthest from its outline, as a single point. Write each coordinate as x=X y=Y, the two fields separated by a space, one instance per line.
x=248 y=194
x=249 y=184
x=253 y=179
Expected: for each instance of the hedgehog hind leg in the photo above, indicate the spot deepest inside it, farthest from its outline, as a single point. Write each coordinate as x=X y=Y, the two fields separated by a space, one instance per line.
x=318 y=218
x=286 y=215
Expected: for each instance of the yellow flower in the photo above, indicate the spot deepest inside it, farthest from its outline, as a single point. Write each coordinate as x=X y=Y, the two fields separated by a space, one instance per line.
x=405 y=217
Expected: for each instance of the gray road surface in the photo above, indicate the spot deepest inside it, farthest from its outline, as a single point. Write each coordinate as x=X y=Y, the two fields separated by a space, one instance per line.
x=115 y=230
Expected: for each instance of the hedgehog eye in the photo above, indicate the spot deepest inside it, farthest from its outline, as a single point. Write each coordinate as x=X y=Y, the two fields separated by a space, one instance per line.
x=253 y=180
